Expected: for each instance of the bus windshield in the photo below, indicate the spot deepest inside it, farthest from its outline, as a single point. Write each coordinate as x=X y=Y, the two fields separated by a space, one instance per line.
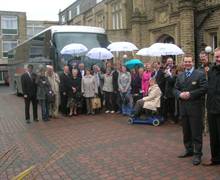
x=90 y=40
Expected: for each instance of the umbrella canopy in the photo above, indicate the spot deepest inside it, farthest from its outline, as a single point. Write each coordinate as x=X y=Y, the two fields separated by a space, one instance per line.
x=134 y=63
x=99 y=54
x=161 y=49
x=74 y=49
x=143 y=52
x=122 y=47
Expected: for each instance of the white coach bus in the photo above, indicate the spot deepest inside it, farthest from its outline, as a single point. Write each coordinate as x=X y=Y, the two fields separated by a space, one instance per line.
x=44 y=48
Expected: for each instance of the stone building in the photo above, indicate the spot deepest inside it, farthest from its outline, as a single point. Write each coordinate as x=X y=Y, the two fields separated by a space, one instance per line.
x=191 y=24
x=13 y=32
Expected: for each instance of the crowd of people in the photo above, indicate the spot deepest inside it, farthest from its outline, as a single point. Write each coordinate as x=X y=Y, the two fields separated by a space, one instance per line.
x=174 y=91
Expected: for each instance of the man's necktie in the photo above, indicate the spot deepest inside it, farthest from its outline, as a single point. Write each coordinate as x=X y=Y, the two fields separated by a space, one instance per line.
x=188 y=74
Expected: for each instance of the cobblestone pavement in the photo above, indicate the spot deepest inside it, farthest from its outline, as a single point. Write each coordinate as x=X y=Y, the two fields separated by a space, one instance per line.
x=97 y=147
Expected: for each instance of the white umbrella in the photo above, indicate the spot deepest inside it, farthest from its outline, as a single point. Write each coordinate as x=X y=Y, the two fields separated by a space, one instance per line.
x=122 y=46
x=161 y=49
x=143 y=52
x=99 y=54
x=75 y=49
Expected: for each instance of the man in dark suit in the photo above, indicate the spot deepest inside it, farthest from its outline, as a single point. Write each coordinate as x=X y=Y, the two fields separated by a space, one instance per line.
x=213 y=109
x=29 y=88
x=64 y=84
x=159 y=75
x=190 y=87
x=81 y=70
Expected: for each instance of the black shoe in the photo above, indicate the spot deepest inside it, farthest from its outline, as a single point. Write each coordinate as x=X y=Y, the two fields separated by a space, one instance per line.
x=28 y=121
x=196 y=160
x=36 y=120
x=211 y=164
x=186 y=154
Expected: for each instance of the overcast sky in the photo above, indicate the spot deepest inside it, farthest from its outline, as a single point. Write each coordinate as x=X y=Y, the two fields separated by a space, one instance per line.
x=36 y=9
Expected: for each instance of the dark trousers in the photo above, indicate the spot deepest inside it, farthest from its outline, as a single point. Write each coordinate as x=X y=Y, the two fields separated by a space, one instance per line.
x=108 y=101
x=44 y=109
x=116 y=101
x=214 y=132
x=63 y=103
x=27 y=102
x=192 y=129
x=169 y=108
x=138 y=108
x=100 y=94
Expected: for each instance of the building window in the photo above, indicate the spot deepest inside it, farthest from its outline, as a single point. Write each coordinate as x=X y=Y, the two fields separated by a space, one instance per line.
x=100 y=20
x=98 y=1
x=69 y=15
x=117 y=19
x=214 y=40
x=7 y=46
x=34 y=29
x=63 y=19
x=9 y=25
x=77 y=9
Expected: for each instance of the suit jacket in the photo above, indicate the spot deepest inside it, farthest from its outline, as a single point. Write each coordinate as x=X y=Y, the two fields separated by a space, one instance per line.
x=29 y=86
x=64 y=82
x=197 y=85
x=213 y=95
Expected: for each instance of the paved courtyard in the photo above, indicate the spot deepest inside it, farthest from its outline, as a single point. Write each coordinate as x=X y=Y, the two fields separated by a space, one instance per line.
x=94 y=147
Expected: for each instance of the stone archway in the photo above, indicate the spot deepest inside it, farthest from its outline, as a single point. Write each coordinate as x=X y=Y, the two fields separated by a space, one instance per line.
x=165 y=38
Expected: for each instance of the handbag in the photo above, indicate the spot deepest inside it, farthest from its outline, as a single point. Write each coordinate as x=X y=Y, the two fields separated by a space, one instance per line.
x=96 y=103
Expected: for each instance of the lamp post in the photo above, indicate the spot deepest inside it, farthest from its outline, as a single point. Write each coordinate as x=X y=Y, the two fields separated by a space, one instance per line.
x=208 y=50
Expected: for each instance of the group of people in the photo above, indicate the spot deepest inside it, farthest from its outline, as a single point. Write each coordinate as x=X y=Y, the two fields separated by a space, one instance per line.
x=173 y=91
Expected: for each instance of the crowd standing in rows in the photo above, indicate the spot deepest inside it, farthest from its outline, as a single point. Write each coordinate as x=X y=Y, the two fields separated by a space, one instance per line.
x=175 y=91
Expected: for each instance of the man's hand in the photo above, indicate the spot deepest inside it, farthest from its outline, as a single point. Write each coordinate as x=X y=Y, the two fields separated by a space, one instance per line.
x=185 y=95
x=206 y=69
x=64 y=93
x=25 y=95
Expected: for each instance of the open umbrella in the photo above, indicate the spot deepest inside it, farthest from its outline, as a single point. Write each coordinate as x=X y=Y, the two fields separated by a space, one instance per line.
x=143 y=52
x=99 y=54
x=74 y=49
x=161 y=49
x=122 y=47
x=134 y=63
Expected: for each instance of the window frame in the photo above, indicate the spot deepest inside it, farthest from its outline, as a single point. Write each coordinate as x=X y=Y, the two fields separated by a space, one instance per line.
x=5 y=57
x=17 y=29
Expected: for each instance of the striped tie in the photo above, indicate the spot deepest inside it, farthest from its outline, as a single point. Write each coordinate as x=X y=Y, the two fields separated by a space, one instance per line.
x=188 y=74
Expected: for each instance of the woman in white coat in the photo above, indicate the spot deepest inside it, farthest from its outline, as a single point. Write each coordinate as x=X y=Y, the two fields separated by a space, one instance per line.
x=150 y=102
x=89 y=90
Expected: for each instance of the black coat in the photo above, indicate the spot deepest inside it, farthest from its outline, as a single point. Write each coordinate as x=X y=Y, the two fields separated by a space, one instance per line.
x=136 y=84
x=197 y=85
x=43 y=87
x=115 y=80
x=64 y=83
x=169 y=86
x=160 y=79
x=74 y=83
x=29 y=86
x=213 y=97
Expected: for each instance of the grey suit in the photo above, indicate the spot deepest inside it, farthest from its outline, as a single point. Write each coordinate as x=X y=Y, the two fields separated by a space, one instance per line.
x=191 y=109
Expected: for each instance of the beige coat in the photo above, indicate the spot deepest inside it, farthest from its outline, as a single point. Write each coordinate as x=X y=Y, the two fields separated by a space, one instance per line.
x=88 y=86
x=152 y=101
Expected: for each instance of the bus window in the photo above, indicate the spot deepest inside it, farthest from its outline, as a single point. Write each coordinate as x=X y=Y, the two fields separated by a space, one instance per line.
x=90 y=40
